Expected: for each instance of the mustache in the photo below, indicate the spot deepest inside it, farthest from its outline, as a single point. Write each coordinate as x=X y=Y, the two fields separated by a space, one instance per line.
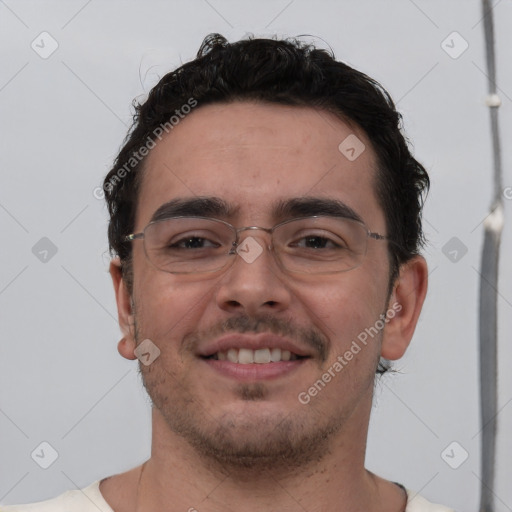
x=310 y=337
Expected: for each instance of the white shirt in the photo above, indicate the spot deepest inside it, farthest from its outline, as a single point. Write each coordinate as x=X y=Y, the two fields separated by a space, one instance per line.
x=90 y=499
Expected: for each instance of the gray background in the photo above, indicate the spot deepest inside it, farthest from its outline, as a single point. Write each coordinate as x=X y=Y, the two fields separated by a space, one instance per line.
x=62 y=121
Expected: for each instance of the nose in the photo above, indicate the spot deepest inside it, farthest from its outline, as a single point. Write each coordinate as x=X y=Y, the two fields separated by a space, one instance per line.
x=254 y=283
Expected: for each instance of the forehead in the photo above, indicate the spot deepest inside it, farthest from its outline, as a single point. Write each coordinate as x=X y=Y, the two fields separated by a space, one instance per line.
x=254 y=156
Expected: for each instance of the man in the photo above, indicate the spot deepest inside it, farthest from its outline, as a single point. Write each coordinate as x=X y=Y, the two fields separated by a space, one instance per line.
x=266 y=221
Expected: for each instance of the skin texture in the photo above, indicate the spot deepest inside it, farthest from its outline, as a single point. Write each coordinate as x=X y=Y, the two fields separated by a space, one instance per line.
x=220 y=444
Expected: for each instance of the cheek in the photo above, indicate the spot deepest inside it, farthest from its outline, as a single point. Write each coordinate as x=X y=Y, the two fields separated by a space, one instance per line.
x=345 y=309
x=344 y=301
x=168 y=306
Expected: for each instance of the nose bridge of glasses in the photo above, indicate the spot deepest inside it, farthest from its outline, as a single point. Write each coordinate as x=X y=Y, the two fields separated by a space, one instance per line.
x=252 y=233
x=251 y=246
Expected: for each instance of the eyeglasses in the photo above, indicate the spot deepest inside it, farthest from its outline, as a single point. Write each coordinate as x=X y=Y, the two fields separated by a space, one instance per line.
x=310 y=245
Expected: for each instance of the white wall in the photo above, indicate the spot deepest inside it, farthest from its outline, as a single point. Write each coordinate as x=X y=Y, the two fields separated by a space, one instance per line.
x=62 y=121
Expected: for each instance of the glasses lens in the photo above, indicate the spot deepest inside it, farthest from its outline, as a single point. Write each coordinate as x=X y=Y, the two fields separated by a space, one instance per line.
x=321 y=244
x=313 y=245
x=188 y=244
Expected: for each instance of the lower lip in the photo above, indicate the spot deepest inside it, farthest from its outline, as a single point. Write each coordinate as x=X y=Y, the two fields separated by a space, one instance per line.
x=255 y=371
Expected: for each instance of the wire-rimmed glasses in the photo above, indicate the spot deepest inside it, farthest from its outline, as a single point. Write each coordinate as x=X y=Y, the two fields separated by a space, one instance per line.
x=311 y=245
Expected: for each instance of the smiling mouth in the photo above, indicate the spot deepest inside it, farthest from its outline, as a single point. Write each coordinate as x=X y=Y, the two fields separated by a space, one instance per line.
x=258 y=356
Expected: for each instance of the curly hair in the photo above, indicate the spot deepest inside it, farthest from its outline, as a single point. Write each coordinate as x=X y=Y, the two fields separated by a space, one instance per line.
x=286 y=72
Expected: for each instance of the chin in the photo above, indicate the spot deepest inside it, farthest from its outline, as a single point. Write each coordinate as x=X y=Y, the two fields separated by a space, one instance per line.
x=254 y=437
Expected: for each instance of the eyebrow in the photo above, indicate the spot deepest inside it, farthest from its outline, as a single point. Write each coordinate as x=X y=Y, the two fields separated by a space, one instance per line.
x=284 y=209
x=196 y=206
x=309 y=206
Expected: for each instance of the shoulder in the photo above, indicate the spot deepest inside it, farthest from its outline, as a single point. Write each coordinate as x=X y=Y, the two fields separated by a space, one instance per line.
x=88 y=499
x=417 y=503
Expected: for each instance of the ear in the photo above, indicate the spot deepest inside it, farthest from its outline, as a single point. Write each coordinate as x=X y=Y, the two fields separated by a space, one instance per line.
x=404 y=307
x=127 y=344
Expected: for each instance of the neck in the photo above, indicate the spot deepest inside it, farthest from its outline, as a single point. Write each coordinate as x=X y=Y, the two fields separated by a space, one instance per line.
x=178 y=478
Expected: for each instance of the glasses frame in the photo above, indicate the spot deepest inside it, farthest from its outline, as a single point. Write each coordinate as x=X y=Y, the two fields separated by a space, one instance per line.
x=141 y=236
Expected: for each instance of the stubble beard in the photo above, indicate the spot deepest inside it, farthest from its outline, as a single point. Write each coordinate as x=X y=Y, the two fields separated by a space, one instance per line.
x=243 y=445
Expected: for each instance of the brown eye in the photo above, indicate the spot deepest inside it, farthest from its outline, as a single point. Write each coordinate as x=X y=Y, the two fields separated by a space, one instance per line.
x=316 y=242
x=192 y=243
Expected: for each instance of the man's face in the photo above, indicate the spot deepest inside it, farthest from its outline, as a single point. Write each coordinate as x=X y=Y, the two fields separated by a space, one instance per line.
x=251 y=156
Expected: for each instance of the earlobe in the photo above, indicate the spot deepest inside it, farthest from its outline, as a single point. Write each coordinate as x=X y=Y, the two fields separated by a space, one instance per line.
x=127 y=344
x=126 y=347
x=404 y=307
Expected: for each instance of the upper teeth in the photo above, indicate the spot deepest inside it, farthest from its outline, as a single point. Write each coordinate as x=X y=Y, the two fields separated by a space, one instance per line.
x=262 y=355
